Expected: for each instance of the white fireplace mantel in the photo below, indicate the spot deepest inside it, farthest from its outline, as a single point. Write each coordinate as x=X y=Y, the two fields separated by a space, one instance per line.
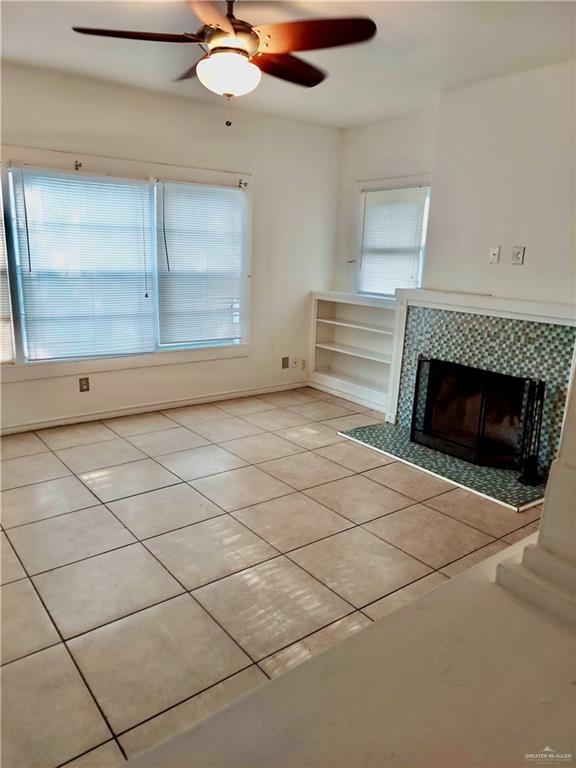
x=469 y=303
x=486 y=304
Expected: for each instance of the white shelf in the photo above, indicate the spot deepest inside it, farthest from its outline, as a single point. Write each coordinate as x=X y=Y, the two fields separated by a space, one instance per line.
x=357 y=299
x=353 y=346
x=363 y=354
x=357 y=326
x=357 y=381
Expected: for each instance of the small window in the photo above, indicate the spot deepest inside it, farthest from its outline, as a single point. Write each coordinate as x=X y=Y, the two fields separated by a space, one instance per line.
x=103 y=271
x=393 y=239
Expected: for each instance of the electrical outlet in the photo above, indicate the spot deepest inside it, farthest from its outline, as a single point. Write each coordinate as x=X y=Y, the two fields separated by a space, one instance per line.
x=303 y=364
x=285 y=362
x=518 y=254
x=84 y=384
x=494 y=254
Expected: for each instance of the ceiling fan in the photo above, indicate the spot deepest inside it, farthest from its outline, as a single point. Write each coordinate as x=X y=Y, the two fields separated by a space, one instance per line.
x=238 y=52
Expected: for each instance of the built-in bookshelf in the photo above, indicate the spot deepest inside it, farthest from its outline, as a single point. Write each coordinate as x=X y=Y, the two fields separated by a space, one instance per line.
x=353 y=346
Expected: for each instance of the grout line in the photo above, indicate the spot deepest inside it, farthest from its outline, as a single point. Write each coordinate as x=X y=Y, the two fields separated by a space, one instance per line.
x=179 y=481
x=305 y=637
x=463 y=522
x=191 y=590
x=81 y=559
x=189 y=698
x=51 y=517
x=114 y=436
x=24 y=455
x=87 y=752
x=30 y=653
x=428 y=565
x=223 y=513
x=38 y=482
x=409 y=584
x=203 y=443
x=361 y=526
x=123 y=616
x=308 y=487
x=108 y=466
x=67 y=650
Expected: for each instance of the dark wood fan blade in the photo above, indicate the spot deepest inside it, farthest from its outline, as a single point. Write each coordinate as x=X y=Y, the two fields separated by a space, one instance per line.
x=159 y=37
x=290 y=68
x=211 y=15
x=313 y=34
x=190 y=73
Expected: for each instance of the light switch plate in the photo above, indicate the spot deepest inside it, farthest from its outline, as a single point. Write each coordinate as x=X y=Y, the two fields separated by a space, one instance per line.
x=518 y=254
x=494 y=254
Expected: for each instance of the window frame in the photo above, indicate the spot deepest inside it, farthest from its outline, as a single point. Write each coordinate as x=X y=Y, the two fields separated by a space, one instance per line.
x=21 y=369
x=11 y=307
x=383 y=185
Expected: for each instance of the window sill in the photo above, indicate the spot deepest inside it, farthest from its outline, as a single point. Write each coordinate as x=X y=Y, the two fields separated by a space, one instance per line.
x=12 y=372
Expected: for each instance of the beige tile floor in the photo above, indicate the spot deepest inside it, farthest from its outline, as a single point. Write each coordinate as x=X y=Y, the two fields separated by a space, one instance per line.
x=157 y=566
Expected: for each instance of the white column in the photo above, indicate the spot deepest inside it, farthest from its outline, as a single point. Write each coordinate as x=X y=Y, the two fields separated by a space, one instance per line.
x=546 y=575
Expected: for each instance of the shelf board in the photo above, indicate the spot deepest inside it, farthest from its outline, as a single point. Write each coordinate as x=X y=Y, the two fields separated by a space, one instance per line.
x=364 y=354
x=372 y=327
x=357 y=299
x=357 y=381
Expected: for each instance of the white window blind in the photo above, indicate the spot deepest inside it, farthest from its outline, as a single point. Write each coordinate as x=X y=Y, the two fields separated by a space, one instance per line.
x=6 y=339
x=393 y=239
x=84 y=256
x=200 y=255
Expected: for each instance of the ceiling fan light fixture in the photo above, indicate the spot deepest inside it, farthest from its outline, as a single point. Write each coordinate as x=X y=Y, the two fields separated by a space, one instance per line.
x=228 y=73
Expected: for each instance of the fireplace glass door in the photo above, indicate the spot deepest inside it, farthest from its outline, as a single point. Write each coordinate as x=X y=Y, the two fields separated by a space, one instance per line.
x=470 y=413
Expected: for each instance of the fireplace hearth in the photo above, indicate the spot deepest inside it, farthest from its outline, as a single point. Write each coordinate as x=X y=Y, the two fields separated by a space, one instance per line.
x=480 y=416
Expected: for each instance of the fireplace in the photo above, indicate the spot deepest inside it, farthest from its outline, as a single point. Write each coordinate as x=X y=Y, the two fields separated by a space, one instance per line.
x=487 y=418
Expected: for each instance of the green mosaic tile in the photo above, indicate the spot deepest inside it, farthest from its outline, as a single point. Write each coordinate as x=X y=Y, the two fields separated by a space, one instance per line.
x=513 y=347
x=498 y=484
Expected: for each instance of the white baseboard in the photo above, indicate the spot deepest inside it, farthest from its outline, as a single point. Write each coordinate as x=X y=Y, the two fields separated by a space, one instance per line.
x=146 y=407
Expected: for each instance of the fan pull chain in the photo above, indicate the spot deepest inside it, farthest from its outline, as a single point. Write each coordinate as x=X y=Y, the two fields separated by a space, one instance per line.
x=228 y=100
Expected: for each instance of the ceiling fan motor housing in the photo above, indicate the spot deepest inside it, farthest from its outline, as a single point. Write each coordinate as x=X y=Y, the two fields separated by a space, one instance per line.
x=245 y=40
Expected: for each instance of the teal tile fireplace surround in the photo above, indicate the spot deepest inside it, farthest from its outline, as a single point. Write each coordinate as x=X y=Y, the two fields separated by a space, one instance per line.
x=505 y=345
x=514 y=347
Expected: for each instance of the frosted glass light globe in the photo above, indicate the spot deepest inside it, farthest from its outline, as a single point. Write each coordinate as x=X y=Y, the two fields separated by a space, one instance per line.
x=228 y=73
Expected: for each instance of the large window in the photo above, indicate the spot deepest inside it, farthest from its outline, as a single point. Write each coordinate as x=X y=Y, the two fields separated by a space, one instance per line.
x=393 y=239
x=109 y=267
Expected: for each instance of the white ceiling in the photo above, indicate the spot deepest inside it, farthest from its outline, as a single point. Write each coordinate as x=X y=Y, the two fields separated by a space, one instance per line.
x=421 y=49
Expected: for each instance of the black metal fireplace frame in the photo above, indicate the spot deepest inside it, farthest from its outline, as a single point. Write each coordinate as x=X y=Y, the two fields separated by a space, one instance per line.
x=531 y=423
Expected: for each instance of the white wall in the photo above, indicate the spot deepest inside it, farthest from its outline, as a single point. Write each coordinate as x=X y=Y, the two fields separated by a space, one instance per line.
x=294 y=197
x=504 y=175
x=401 y=146
x=502 y=156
